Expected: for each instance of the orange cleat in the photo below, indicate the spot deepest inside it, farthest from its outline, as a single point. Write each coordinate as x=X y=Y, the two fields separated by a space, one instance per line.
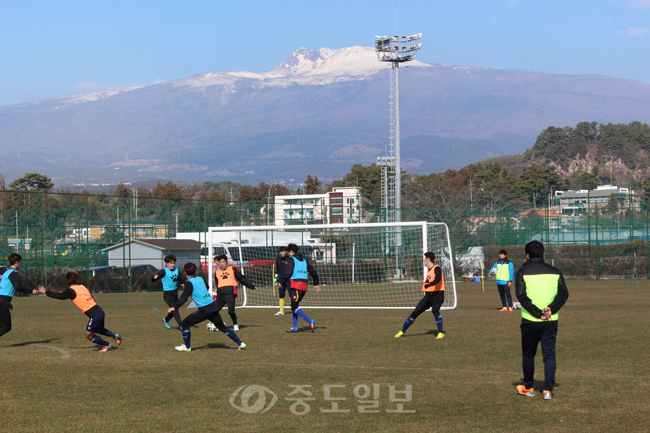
x=521 y=389
x=503 y=309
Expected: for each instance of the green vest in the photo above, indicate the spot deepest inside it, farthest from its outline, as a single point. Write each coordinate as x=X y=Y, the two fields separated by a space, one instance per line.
x=503 y=271
x=541 y=289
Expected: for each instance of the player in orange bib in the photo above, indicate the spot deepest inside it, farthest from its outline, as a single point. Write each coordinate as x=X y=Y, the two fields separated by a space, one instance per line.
x=81 y=297
x=227 y=279
x=434 y=295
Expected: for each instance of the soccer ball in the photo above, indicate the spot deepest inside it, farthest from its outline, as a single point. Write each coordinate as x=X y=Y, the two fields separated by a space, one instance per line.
x=211 y=327
x=516 y=306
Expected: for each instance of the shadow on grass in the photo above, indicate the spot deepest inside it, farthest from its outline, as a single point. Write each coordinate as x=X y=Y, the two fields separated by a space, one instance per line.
x=214 y=346
x=27 y=343
x=433 y=332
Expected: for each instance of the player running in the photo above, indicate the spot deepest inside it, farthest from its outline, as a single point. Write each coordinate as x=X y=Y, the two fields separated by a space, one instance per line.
x=280 y=266
x=434 y=295
x=9 y=285
x=81 y=297
x=296 y=275
x=227 y=278
x=171 y=281
x=208 y=310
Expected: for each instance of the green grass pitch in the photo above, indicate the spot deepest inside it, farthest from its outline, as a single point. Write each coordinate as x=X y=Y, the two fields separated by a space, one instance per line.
x=54 y=380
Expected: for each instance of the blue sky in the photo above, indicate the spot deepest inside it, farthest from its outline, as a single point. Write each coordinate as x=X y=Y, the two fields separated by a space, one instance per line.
x=55 y=48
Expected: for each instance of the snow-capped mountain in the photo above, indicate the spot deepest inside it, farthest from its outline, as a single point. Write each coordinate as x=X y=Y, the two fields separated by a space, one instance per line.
x=318 y=112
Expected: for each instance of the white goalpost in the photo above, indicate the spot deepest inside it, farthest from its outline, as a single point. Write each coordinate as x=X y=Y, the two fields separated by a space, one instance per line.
x=367 y=265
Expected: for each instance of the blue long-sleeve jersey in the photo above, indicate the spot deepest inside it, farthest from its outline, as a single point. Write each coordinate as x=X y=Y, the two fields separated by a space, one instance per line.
x=511 y=269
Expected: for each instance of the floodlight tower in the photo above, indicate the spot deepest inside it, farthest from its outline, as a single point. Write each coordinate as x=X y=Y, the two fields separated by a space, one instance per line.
x=395 y=50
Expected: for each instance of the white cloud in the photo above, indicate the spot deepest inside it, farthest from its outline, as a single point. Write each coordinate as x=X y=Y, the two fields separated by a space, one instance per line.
x=158 y=81
x=635 y=31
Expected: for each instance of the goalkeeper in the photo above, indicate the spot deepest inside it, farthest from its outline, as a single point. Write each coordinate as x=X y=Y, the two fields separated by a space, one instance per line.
x=280 y=266
x=296 y=275
x=227 y=278
x=434 y=295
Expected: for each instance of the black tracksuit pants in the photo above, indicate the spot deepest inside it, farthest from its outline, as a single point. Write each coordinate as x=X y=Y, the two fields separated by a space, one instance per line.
x=532 y=333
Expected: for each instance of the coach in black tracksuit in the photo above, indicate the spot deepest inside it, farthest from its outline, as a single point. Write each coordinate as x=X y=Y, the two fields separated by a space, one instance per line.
x=541 y=290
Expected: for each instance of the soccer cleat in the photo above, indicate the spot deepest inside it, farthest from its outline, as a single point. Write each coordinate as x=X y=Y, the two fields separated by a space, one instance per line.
x=548 y=395
x=242 y=346
x=235 y=327
x=399 y=334
x=440 y=335
x=510 y=309
x=504 y=309
x=166 y=324
x=106 y=348
x=280 y=313
x=292 y=329
x=312 y=325
x=182 y=348
x=118 y=339
x=521 y=389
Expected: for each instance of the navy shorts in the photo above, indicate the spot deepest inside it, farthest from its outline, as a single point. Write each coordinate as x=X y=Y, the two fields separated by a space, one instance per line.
x=96 y=323
x=296 y=295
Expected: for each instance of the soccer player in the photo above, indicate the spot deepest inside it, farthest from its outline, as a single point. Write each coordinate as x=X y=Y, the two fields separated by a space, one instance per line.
x=541 y=290
x=280 y=266
x=81 y=297
x=295 y=274
x=9 y=285
x=227 y=278
x=434 y=295
x=504 y=270
x=171 y=281
x=208 y=310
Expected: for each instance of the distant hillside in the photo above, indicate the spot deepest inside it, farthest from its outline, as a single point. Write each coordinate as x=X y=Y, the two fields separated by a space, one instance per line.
x=616 y=153
x=319 y=113
x=513 y=163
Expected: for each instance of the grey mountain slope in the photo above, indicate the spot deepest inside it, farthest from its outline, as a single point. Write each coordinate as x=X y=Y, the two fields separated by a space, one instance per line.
x=249 y=128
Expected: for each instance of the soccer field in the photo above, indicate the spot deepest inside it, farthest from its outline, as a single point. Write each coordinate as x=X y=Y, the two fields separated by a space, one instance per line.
x=53 y=380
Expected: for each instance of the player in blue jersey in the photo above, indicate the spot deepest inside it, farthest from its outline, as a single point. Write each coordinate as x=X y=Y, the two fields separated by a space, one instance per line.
x=208 y=309
x=9 y=285
x=171 y=280
x=296 y=273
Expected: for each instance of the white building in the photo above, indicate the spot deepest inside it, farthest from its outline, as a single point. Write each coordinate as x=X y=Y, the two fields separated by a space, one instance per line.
x=341 y=205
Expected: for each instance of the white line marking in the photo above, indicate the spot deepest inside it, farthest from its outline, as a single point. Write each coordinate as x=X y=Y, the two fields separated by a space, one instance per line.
x=64 y=353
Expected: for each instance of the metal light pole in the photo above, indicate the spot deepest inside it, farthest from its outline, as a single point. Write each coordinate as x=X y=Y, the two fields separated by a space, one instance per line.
x=395 y=50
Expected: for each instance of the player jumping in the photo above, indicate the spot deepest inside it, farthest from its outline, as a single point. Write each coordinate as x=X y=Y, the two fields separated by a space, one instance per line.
x=227 y=278
x=296 y=273
x=434 y=295
x=82 y=298
x=208 y=310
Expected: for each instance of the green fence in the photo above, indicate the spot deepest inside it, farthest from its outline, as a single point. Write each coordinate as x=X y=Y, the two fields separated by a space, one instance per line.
x=58 y=232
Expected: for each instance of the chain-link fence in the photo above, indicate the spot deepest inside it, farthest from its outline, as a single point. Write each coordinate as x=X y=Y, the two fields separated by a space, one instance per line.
x=110 y=240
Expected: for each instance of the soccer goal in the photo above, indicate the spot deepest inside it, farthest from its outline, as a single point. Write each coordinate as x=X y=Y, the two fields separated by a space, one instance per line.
x=369 y=265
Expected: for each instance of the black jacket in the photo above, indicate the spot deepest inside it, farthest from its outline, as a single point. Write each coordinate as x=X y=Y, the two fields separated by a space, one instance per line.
x=288 y=271
x=537 y=266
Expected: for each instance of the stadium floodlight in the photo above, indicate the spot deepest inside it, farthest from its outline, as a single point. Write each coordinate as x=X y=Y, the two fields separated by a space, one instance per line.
x=395 y=50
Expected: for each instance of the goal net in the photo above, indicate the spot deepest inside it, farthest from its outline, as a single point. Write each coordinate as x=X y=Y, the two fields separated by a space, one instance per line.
x=370 y=265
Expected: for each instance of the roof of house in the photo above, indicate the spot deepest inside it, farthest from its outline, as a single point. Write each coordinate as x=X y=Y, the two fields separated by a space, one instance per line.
x=595 y=193
x=163 y=244
x=541 y=213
